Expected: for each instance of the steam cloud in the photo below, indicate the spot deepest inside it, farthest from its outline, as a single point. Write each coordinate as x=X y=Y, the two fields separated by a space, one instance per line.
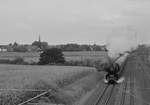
x=120 y=44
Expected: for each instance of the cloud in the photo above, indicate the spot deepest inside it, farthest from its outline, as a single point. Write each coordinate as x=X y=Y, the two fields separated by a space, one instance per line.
x=23 y=26
x=81 y=21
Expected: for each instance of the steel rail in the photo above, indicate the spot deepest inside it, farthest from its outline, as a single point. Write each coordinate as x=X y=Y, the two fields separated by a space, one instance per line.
x=101 y=96
x=132 y=98
x=110 y=95
x=146 y=75
x=112 y=89
x=123 y=94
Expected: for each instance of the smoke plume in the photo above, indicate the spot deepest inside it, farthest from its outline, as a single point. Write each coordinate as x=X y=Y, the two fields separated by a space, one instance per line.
x=120 y=44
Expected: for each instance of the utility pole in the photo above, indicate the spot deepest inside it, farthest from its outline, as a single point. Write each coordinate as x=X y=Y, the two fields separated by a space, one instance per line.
x=136 y=38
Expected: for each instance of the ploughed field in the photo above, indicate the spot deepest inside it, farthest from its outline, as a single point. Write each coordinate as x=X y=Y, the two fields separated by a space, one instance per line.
x=34 y=56
x=19 y=83
x=135 y=90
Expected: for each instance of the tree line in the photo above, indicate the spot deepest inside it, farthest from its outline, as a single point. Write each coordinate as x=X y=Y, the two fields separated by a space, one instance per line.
x=84 y=47
x=41 y=46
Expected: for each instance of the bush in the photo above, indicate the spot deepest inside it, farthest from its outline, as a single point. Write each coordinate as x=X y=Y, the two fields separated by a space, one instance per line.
x=86 y=62
x=5 y=61
x=100 y=66
x=51 y=56
x=18 y=60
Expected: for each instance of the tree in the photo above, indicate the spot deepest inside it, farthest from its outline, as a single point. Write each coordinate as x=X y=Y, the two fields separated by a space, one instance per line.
x=51 y=56
x=15 y=44
x=20 y=48
x=85 y=48
x=96 y=48
x=37 y=43
x=44 y=45
x=10 y=44
x=41 y=45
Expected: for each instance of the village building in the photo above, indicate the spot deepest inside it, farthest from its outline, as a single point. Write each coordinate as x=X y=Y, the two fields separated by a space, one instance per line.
x=3 y=48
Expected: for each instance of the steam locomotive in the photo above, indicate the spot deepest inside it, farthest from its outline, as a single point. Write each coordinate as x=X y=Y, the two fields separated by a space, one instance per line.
x=112 y=76
x=113 y=69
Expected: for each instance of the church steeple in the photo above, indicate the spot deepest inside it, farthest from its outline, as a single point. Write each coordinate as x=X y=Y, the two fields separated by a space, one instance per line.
x=40 y=43
x=39 y=38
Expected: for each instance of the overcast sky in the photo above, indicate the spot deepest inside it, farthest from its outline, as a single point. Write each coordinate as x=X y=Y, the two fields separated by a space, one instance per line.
x=75 y=21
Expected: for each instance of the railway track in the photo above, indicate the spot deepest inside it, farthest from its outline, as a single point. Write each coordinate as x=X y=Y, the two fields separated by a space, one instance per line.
x=129 y=93
x=132 y=89
x=123 y=95
x=146 y=83
x=147 y=74
x=122 y=98
x=105 y=96
x=138 y=83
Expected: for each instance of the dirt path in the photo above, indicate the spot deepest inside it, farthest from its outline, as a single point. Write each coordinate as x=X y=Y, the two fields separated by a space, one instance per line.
x=134 y=91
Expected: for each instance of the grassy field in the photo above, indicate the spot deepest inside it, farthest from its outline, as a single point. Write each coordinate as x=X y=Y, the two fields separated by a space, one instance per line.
x=18 y=81
x=21 y=82
x=75 y=56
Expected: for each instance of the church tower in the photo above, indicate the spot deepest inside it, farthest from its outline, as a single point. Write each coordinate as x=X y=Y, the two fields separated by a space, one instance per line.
x=39 y=39
x=40 y=44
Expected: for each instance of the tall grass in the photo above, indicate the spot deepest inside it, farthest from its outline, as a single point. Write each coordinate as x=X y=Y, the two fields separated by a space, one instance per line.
x=35 y=77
